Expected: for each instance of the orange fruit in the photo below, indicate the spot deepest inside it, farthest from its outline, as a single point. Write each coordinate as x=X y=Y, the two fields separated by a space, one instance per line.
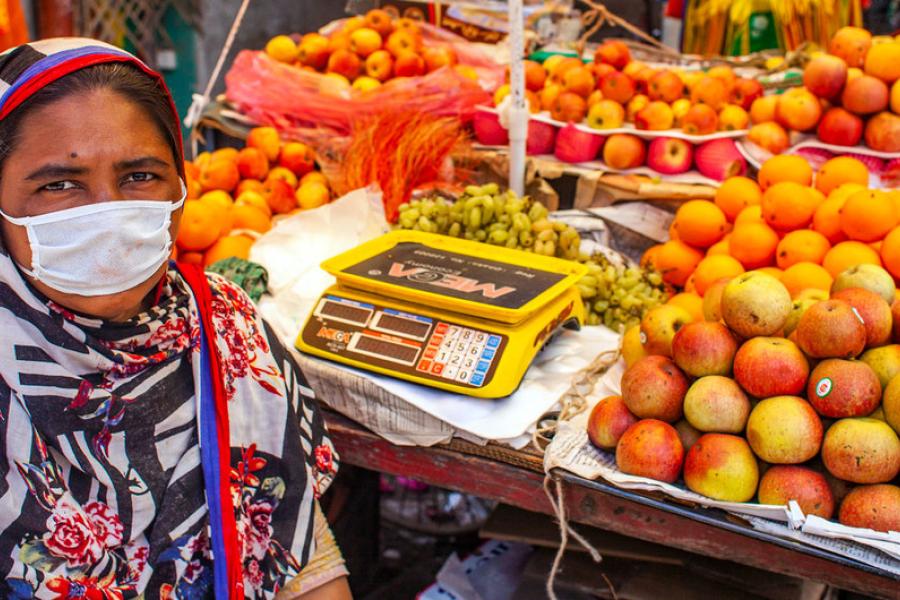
x=849 y=254
x=255 y=200
x=827 y=219
x=223 y=205
x=676 y=261
x=803 y=245
x=719 y=248
x=713 y=268
x=753 y=245
x=890 y=252
x=883 y=61
x=788 y=205
x=247 y=216
x=737 y=193
x=689 y=301
x=868 y=215
x=650 y=258
x=227 y=247
x=220 y=174
x=785 y=167
x=200 y=226
x=772 y=271
x=699 y=223
x=805 y=275
x=841 y=170
x=689 y=286
x=751 y=214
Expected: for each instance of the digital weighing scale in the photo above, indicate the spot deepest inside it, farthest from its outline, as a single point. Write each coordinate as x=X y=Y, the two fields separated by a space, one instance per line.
x=454 y=314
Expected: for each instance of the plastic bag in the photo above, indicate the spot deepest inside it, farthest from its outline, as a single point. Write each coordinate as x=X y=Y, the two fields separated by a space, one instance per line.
x=306 y=105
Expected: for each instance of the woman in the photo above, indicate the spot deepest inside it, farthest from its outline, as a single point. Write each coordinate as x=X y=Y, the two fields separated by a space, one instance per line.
x=158 y=441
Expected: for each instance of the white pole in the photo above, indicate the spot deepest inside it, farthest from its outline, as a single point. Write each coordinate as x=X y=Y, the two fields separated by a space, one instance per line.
x=518 y=112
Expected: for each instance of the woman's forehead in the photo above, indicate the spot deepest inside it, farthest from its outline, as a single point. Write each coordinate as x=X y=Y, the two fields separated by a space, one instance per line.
x=94 y=121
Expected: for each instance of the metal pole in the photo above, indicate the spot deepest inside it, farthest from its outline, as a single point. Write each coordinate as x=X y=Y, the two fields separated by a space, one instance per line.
x=518 y=112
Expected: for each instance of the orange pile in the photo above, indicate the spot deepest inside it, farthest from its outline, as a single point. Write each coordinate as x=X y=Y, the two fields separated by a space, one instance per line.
x=233 y=195
x=800 y=226
x=365 y=52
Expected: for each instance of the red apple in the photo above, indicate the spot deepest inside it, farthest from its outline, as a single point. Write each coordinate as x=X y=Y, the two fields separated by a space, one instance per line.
x=650 y=448
x=840 y=127
x=782 y=483
x=576 y=146
x=745 y=91
x=654 y=388
x=874 y=312
x=770 y=366
x=608 y=421
x=831 y=329
x=843 y=388
x=704 y=348
x=670 y=156
x=825 y=76
x=297 y=157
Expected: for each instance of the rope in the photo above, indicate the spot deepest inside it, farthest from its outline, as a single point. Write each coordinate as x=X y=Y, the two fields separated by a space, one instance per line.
x=599 y=15
x=198 y=101
x=559 y=509
x=575 y=400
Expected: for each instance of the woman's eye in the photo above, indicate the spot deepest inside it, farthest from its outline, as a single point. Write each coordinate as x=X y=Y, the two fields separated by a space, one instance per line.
x=59 y=186
x=140 y=177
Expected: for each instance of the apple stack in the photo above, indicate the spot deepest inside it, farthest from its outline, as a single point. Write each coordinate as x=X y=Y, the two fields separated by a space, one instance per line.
x=741 y=412
x=850 y=94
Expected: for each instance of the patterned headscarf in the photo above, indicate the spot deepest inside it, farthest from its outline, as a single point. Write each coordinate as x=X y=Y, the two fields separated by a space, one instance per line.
x=175 y=455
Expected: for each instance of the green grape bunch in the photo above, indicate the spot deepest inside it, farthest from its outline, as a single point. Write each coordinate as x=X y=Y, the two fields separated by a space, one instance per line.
x=615 y=296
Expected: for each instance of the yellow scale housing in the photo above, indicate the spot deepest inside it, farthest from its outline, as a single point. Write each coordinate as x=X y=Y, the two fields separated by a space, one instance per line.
x=443 y=312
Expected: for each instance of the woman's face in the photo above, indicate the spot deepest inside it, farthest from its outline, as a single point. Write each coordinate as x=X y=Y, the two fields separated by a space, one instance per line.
x=83 y=149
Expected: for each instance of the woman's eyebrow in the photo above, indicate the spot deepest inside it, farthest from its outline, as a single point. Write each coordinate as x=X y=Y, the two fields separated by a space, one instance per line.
x=52 y=171
x=143 y=162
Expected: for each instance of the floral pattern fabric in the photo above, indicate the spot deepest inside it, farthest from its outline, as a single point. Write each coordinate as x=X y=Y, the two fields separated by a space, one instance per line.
x=101 y=486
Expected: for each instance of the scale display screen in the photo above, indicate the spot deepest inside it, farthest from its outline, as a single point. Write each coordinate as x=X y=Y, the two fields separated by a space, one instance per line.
x=415 y=328
x=345 y=312
x=383 y=348
x=430 y=348
x=419 y=267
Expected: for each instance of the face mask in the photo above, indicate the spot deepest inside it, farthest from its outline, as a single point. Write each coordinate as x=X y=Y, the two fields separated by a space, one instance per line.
x=102 y=248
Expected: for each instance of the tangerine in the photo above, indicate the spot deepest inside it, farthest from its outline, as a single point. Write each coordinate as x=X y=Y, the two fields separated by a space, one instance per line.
x=713 y=268
x=689 y=301
x=806 y=275
x=890 y=252
x=803 y=245
x=676 y=261
x=840 y=170
x=848 y=254
x=751 y=214
x=247 y=216
x=719 y=248
x=788 y=205
x=228 y=246
x=200 y=226
x=699 y=223
x=868 y=215
x=785 y=167
x=737 y=193
x=753 y=245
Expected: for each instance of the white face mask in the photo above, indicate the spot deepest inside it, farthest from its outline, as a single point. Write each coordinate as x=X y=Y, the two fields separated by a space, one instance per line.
x=102 y=248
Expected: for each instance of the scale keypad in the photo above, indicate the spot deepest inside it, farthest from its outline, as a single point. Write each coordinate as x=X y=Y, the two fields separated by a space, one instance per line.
x=459 y=354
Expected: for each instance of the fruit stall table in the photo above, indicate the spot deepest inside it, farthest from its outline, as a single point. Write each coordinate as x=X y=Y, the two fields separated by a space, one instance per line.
x=517 y=479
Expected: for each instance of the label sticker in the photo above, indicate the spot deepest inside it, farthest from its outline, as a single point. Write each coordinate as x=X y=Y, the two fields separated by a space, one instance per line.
x=823 y=388
x=643 y=338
